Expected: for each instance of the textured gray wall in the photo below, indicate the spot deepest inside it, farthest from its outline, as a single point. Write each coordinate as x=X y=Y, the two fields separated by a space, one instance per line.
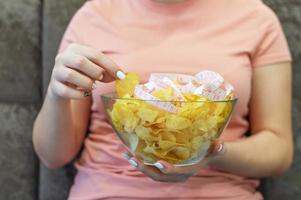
x=22 y=80
x=289 y=186
x=20 y=42
x=20 y=75
x=18 y=163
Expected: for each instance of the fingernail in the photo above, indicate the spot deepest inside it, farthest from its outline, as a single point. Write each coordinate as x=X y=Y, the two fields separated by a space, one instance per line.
x=221 y=149
x=133 y=163
x=120 y=75
x=100 y=77
x=87 y=94
x=159 y=165
x=93 y=86
x=125 y=156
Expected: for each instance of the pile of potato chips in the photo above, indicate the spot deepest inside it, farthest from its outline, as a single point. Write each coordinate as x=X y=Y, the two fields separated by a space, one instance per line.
x=173 y=117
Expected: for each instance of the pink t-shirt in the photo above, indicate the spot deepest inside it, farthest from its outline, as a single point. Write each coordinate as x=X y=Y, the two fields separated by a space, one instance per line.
x=231 y=37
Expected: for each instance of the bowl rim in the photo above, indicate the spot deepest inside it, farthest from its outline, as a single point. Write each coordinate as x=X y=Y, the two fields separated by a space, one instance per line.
x=111 y=96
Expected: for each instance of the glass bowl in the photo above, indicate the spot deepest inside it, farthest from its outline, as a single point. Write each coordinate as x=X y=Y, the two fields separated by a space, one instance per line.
x=178 y=132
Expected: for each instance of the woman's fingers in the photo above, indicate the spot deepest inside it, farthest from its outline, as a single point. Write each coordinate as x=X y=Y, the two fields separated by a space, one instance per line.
x=77 y=69
x=147 y=170
x=217 y=148
x=169 y=172
x=126 y=155
x=168 y=168
x=152 y=171
x=82 y=64
x=68 y=83
x=64 y=74
x=110 y=67
x=67 y=92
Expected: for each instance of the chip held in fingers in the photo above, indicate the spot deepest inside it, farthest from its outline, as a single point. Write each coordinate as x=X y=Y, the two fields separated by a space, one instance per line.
x=172 y=117
x=126 y=86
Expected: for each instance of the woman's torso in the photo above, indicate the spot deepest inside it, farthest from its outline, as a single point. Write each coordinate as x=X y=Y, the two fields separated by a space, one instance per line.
x=146 y=37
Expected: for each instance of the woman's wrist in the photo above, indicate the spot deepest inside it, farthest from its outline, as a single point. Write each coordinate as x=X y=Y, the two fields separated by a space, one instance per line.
x=220 y=155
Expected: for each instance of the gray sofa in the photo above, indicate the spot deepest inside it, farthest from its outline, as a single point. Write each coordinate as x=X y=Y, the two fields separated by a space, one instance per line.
x=30 y=31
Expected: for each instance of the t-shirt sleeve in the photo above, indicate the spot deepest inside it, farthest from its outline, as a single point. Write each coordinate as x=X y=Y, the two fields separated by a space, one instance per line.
x=272 y=46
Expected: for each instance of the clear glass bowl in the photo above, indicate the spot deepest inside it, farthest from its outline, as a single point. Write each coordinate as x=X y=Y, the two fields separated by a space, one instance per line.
x=181 y=136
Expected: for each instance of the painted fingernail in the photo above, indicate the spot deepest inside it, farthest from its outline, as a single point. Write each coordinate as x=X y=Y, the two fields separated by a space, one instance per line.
x=125 y=156
x=87 y=94
x=93 y=86
x=159 y=165
x=120 y=75
x=100 y=77
x=133 y=163
x=221 y=149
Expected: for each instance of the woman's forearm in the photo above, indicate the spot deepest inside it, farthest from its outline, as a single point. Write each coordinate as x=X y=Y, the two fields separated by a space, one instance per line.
x=60 y=127
x=263 y=154
x=54 y=134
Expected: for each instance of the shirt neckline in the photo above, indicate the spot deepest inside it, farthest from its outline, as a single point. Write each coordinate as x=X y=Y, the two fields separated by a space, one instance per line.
x=166 y=8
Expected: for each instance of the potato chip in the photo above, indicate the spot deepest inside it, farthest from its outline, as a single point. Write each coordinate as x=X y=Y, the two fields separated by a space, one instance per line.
x=193 y=97
x=175 y=122
x=132 y=105
x=118 y=115
x=123 y=116
x=171 y=159
x=181 y=137
x=164 y=94
x=133 y=141
x=147 y=115
x=144 y=133
x=165 y=144
x=127 y=86
x=196 y=142
x=130 y=123
x=155 y=123
x=169 y=136
x=154 y=149
x=182 y=153
x=191 y=110
x=158 y=124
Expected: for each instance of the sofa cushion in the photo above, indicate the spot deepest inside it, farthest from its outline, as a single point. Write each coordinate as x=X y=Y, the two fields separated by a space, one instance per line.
x=18 y=164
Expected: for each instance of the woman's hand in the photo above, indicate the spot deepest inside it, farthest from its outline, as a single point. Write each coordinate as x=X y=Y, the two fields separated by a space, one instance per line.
x=61 y=125
x=165 y=172
x=76 y=70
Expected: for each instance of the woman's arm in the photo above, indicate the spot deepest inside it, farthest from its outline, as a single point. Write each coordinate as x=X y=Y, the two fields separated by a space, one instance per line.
x=269 y=151
x=61 y=125
x=59 y=129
